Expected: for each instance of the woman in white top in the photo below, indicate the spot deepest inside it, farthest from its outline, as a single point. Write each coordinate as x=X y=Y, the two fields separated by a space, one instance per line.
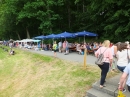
x=122 y=58
x=114 y=50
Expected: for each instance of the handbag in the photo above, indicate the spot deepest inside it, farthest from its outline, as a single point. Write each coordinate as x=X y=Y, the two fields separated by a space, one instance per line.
x=100 y=58
x=128 y=57
x=120 y=94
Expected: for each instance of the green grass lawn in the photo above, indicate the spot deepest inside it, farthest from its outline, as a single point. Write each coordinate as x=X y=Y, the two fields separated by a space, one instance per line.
x=32 y=75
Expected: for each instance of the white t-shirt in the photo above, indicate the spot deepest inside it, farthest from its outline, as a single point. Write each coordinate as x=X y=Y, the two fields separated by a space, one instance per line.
x=122 y=57
x=112 y=49
x=127 y=70
x=60 y=44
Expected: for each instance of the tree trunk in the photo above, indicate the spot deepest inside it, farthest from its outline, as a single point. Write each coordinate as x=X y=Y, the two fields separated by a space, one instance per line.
x=69 y=17
x=18 y=35
x=83 y=7
x=49 y=16
x=28 y=36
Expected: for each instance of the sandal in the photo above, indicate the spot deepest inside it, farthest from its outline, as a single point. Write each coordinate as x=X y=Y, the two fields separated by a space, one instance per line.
x=101 y=86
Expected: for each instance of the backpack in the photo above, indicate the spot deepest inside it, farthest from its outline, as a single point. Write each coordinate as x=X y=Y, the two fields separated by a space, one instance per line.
x=100 y=58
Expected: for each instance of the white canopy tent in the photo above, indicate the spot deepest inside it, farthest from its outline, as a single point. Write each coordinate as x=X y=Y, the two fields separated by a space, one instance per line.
x=29 y=40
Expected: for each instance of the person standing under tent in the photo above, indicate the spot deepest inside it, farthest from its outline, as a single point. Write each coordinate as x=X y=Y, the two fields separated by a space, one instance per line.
x=67 y=48
x=64 y=46
x=60 y=46
x=55 y=48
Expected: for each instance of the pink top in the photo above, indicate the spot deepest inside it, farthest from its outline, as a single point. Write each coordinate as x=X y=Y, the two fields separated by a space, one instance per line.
x=64 y=45
x=107 y=54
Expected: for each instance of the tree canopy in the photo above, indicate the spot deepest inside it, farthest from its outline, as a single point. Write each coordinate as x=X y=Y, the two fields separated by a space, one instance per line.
x=29 y=18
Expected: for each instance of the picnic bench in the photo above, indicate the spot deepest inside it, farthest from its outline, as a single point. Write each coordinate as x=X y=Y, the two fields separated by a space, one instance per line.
x=72 y=49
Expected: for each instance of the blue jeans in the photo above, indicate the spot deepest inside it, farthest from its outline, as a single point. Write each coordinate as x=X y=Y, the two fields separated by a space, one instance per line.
x=66 y=48
x=104 y=70
x=121 y=68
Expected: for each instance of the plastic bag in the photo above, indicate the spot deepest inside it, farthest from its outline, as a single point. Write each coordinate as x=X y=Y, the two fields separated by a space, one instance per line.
x=120 y=94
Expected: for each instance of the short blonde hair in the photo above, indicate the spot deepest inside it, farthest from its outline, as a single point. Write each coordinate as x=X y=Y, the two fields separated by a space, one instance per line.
x=106 y=43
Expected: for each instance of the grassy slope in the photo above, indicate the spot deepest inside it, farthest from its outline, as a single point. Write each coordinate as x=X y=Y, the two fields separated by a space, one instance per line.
x=32 y=75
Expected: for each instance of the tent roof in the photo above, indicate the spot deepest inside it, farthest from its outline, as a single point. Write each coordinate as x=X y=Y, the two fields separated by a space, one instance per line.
x=85 y=33
x=66 y=35
x=29 y=40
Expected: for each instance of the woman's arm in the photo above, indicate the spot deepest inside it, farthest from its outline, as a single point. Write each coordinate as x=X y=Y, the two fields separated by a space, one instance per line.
x=110 y=56
x=122 y=79
x=115 y=50
x=97 y=53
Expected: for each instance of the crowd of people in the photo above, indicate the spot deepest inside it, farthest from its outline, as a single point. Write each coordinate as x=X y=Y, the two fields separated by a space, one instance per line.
x=62 y=47
x=115 y=55
x=66 y=47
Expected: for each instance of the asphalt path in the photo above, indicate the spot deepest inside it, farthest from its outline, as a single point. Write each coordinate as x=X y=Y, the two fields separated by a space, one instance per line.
x=72 y=56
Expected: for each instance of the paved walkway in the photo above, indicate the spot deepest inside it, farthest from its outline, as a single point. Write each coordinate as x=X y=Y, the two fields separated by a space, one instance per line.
x=73 y=56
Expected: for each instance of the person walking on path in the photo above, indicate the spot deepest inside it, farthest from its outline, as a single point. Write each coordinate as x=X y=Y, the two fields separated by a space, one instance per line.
x=122 y=58
x=55 y=48
x=67 y=47
x=125 y=75
x=114 y=51
x=107 y=60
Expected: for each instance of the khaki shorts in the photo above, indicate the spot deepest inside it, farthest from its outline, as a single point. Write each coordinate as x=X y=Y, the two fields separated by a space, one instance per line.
x=63 y=49
x=60 y=48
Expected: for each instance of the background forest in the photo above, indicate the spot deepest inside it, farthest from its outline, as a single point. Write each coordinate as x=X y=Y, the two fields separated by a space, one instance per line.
x=110 y=19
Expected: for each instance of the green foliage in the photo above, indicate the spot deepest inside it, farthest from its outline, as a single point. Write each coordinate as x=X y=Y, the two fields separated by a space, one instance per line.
x=50 y=16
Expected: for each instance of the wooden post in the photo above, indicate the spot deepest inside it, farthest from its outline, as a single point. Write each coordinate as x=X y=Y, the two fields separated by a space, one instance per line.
x=85 y=55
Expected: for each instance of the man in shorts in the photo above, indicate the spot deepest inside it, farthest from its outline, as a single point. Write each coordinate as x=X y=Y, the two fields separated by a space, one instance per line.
x=55 y=48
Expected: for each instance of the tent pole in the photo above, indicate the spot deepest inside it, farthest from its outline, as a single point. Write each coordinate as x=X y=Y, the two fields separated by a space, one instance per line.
x=42 y=43
x=79 y=39
x=84 y=38
x=53 y=40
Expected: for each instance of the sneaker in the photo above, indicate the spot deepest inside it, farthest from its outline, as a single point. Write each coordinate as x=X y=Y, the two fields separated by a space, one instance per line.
x=66 y=54
x=124 y=90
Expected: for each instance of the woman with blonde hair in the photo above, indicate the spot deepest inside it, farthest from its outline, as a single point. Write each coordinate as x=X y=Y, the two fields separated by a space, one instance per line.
x=107 y=60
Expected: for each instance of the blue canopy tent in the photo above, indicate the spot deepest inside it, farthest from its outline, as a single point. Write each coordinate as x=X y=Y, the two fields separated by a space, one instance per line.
x=85 y=33
x=52 y=36
x=65 y=35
